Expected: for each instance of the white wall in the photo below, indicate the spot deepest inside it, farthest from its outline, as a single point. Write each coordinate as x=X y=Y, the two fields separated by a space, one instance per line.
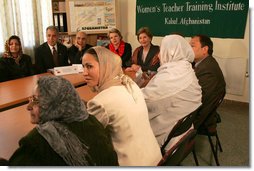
x=224 y=48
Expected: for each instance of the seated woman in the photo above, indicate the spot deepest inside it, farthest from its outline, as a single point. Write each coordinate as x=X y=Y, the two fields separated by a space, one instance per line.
x=174 y=91
x=146 y=55
x=120 y=107
x=14 y=64
x=65 y=134
x=119 y=47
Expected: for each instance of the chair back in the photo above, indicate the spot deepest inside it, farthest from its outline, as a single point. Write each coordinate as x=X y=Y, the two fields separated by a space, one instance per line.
x=180 y=127
x=214 y=107
x=175 y=155
x=218 y=101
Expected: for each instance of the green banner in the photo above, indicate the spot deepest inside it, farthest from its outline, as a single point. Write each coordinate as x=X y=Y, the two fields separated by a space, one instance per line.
x=215 y=18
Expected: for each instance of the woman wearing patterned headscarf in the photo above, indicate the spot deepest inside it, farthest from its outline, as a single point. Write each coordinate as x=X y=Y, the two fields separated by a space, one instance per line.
x=14 y=64
x=174 y=91
x=65 y=134
x=120 y=107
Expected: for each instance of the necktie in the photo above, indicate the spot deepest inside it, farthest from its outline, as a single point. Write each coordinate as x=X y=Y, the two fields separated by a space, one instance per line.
x=55 y=57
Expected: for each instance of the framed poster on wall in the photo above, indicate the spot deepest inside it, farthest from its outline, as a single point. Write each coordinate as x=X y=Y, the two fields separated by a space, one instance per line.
x=92 y=16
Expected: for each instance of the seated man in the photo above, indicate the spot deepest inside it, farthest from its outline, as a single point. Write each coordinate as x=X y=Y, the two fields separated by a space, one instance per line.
x=51 y=53
x=77 y=50
x=210 y=79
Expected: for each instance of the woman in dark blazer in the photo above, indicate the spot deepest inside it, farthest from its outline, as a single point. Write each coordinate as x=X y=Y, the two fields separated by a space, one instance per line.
x=119 y=47
x=14 y=64
x=146 y=55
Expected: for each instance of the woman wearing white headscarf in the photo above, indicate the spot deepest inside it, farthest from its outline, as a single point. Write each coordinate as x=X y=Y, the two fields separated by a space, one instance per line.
x=174 y=91
x=121 y=108
x=65 y=134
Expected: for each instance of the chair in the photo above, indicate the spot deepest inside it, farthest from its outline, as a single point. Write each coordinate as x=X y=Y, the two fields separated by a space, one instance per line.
x=182 y=126
x=175 y=155
x=212 y=131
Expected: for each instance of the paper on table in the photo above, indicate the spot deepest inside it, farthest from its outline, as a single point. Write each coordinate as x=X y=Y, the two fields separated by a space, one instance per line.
x=65 y=70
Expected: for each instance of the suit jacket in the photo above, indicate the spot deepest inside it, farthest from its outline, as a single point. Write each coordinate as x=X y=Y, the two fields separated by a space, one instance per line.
x=147 y=65
x=44 y=57
x=212 y=83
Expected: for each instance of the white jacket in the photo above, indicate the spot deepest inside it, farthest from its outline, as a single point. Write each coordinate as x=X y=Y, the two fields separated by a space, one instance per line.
x=129 y=125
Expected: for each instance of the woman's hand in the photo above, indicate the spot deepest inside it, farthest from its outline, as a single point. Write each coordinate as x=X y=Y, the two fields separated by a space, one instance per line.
x=135 y=67
x=129 y=69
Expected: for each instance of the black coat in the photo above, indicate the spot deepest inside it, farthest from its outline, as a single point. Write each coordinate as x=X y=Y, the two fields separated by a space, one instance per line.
x=10 y=70
x=152 y=53
x=75 y=56
x=44 y=57
x=34 y=150
x=126 y=57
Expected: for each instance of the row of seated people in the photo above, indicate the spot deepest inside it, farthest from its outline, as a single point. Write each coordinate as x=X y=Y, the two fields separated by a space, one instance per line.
x=14 y=64
x=137 y=120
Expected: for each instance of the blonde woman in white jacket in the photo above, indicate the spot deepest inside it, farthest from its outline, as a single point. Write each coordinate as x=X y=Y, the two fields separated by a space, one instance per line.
x=121 y=108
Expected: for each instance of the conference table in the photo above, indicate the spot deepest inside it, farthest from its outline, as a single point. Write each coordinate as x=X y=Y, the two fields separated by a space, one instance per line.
x=15 y=121
x=16 y=92
x=15 y=124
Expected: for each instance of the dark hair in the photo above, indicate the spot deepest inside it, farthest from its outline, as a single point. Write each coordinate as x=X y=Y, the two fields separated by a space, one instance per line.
x=92 y=52
x=205 y=41
x=7 y=44
x=16 y=38
x=146 y=31
x=53 y=28
x=114 y=30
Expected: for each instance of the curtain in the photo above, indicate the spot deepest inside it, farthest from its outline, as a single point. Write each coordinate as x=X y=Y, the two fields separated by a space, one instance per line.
x=27 y=19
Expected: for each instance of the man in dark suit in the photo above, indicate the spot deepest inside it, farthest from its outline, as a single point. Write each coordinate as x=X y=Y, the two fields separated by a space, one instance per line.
x=210 y=78
x=77 y=50
x=51 y=53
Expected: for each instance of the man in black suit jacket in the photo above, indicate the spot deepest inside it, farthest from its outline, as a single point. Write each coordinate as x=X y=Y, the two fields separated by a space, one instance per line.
x=44 y=58
x=210 y=78
x=77 y=50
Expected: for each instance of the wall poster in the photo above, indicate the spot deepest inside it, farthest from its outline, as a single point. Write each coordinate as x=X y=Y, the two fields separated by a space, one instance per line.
x=95 y=16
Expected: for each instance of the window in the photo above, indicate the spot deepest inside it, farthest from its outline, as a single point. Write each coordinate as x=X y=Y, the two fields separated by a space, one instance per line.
x=27 y=19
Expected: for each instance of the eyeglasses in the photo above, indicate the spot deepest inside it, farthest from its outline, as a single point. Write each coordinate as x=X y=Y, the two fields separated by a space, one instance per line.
x=34 y=100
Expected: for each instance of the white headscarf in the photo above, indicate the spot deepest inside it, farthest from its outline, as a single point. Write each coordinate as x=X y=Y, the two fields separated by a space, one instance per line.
x=175 y=73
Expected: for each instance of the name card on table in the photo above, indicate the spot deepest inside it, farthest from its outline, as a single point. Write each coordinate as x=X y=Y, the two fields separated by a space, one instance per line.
x=74 y=69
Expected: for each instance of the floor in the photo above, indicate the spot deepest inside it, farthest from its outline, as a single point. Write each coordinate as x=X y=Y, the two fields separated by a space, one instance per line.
x=234 y=135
